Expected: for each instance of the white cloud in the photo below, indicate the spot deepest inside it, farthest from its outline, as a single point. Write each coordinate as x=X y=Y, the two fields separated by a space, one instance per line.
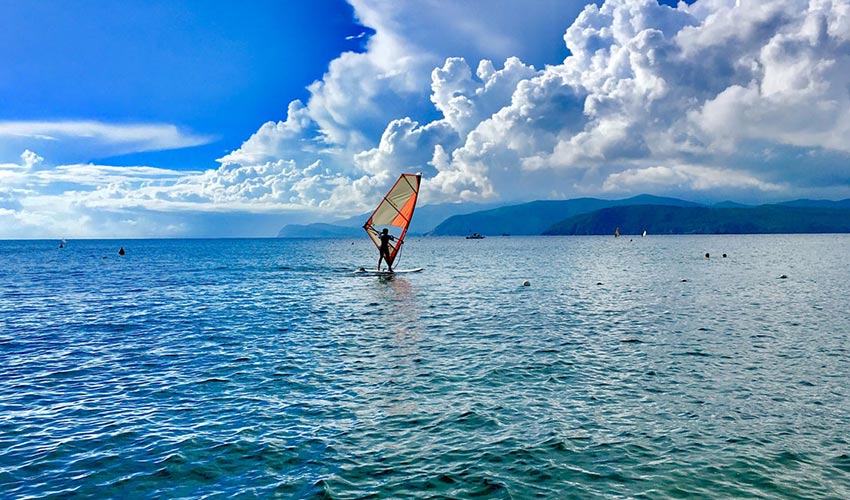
x=296 y=138
x=645 y=90
x=81 y=140
x=87 y=200
x=647 y=84
x=358 y=36
x=799 y=95
x=352 y=120
x=465 y=102
x=679 y=178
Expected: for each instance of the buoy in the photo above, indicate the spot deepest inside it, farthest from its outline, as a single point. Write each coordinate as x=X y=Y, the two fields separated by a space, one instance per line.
x=683 y=280
x=526 y=283
x=724 y=255
x=783 y=276
x=121 y=251
x=706 y=255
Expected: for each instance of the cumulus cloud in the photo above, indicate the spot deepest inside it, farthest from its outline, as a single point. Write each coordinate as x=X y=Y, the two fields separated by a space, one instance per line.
x=671 y=100
x=353 y=119
x=716 y=82
x=298 y=137
x=89 y=200
x=13 y=170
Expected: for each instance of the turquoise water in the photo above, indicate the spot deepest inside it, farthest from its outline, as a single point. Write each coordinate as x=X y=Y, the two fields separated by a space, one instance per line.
x=265 y=368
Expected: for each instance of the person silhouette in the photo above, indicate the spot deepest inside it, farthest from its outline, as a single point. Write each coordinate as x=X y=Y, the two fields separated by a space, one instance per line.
x=385 y=237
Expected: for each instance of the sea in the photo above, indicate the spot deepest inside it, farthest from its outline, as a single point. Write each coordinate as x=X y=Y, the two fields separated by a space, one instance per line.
x=574 y=367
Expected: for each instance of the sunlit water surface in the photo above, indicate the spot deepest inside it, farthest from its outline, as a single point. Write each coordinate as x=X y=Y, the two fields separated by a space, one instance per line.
x=629 y=368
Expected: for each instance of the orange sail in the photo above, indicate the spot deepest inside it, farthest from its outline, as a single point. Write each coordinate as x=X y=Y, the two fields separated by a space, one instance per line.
x=396 y=209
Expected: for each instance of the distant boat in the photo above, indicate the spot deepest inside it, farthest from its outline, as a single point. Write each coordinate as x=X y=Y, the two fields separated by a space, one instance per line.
x=616 y=232
x=475 y=236
x=643 y=234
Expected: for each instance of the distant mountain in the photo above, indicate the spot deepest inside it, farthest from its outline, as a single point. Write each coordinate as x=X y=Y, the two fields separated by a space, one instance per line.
x=556 y=217
x=535 y=217
x=817 y=203
x=318 y=230
x=655 y=219
x=731 y=204
x=425 y=218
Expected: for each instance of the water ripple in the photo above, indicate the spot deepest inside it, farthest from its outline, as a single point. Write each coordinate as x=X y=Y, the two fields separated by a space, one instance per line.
x=266 y=368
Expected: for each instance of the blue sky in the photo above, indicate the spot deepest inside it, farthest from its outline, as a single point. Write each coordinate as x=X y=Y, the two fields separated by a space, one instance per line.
x=204 y=118
x=217 y=69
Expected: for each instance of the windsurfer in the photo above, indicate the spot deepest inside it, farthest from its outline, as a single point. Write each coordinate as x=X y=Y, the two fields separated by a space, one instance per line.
x=395 y=210
x=385 y=237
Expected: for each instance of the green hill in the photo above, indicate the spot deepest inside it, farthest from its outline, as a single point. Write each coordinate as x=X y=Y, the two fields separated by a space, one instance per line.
x=535 y=217
x=817 y=203
x=655 y=219
x=559 y=217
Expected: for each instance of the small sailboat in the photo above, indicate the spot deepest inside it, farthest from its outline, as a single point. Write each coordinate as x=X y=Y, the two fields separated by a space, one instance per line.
x=616 y=232
x=643 y=234
x=395 y=210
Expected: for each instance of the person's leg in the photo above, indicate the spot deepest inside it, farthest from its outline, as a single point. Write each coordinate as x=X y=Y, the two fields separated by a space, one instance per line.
x=386 y=257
